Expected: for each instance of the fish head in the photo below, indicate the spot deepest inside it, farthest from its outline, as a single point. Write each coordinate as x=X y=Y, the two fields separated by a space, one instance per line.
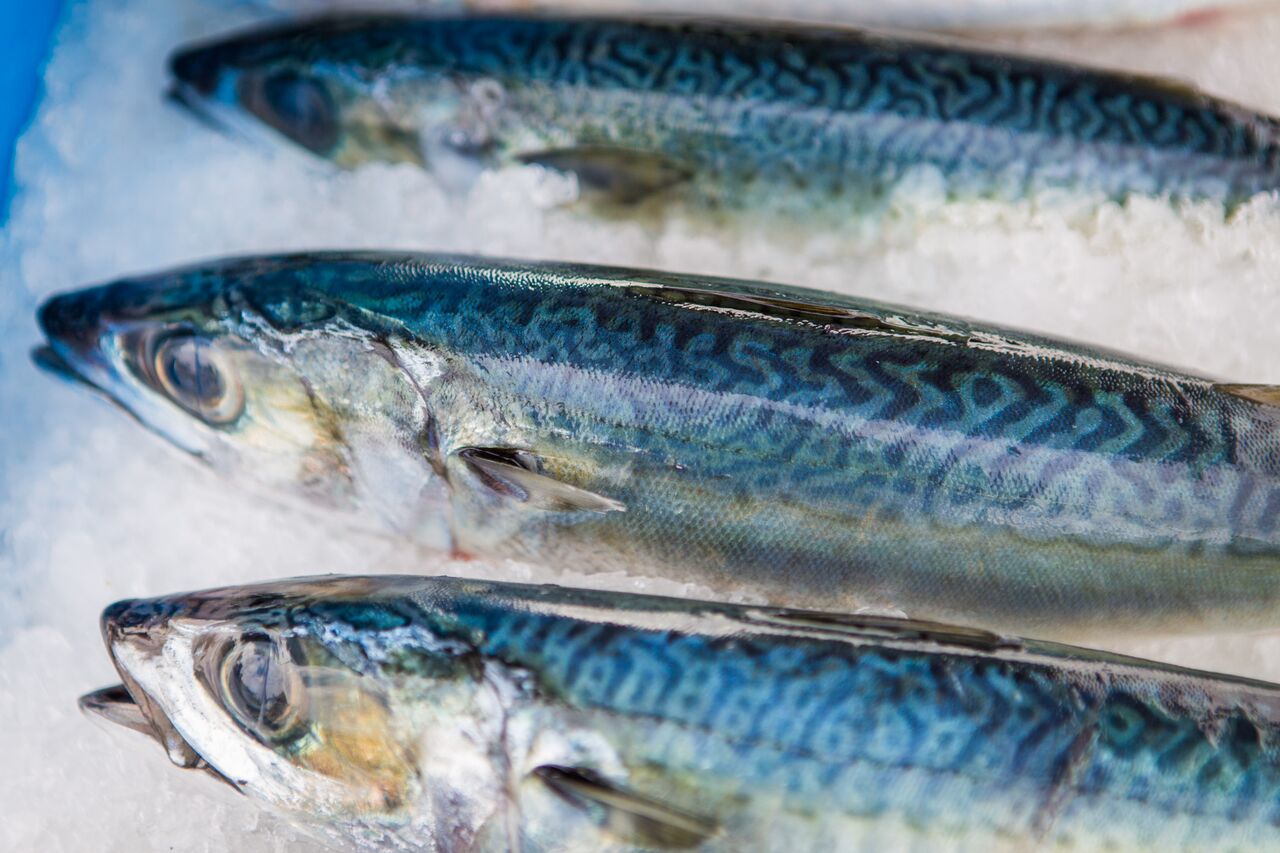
x=308 y=82
x=228 y=362
x=322 y=699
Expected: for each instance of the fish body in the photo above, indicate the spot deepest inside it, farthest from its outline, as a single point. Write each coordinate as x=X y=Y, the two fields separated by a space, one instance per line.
x=433 y=713
x=803 y=448
x=726 y=118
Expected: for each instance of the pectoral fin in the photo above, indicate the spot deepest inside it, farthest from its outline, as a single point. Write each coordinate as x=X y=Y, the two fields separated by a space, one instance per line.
x=869 y=627
x=617 y=175
x=517 y=474
x=634 y=818
x=1267 y=395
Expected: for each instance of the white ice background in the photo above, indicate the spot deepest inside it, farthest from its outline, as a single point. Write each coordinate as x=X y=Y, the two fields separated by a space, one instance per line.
x=113 y=181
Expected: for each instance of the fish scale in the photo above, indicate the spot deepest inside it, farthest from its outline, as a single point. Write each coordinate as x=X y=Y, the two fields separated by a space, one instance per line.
x=807 y=122
x=882 y=384
x=775 y=729
x=656 y=669
x=758 y=440
x=803 y=699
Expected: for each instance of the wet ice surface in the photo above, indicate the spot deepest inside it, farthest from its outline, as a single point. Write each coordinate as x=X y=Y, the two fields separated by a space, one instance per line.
x=112 y=181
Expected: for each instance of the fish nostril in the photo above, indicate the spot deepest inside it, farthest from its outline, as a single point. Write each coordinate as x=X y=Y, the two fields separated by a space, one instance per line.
x=115 y=610
x=133 y=618
x=140 y=621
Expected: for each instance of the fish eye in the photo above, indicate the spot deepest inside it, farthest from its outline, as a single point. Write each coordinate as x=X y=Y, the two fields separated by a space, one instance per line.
x=262 y=689
x=193 y=372
x=297 y=105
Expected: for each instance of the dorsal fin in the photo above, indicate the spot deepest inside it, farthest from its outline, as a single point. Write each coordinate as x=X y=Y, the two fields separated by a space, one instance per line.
x=834 y=317
x=881 y=628
x=1267 y=395
x=632 y=817
x=517 y=474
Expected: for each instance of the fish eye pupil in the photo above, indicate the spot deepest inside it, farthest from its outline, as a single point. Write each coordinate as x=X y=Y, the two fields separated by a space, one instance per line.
x=189 y=371
x=260 y=687
x=298 y=106
x=193 y=373
x=259 y=683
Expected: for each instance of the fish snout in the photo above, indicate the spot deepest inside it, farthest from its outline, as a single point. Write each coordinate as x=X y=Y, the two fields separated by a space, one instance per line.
x=70 y=321
x=196 y=69
x=134 y=629
x=138 y=621
x=73 y=326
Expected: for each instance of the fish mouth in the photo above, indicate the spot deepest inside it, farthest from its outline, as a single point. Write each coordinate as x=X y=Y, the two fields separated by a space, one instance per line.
x=49 y=360
x=188 y=98
x=117 y=705
x=53 y=363
x=192 y=100
x=128 y=705
x=74 y=325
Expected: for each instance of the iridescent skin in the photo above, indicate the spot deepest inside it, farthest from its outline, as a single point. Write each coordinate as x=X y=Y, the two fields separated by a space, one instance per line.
x=799 y=447
x=776 y=730
x=727 y=116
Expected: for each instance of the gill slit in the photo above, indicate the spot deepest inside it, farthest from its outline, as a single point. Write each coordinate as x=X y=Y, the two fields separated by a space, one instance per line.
x=428 y=440
x=511 y=804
